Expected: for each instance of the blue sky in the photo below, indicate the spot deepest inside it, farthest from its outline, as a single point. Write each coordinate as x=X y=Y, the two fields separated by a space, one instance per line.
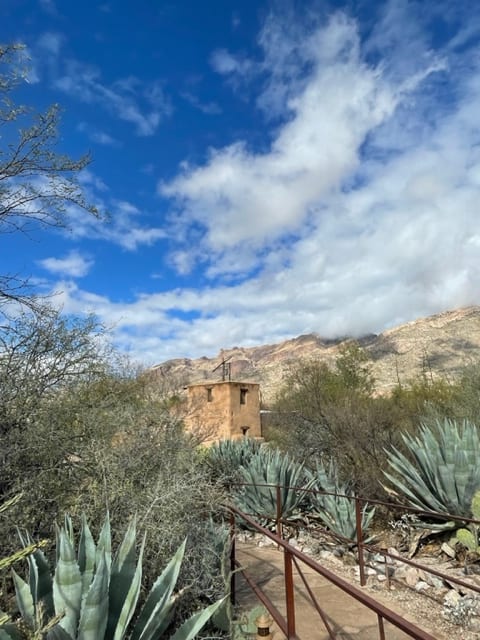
x=269 y=168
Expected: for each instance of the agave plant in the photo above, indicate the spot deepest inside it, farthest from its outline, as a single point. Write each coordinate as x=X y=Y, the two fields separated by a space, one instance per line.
x=337 y=512
x=266 y=470
x=93 y=597
x=219 y=534
x=8 y=561
x=227 y=456
x=441 y=472
x=13 y=558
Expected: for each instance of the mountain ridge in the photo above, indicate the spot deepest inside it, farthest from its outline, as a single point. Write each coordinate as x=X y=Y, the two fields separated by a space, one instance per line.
x=441 y=344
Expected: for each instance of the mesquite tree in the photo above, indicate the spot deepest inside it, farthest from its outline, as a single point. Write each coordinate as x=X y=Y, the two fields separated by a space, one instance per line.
x=38 y=185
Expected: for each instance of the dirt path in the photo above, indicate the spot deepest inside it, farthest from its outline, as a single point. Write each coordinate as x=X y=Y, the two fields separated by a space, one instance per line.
x=348 y=619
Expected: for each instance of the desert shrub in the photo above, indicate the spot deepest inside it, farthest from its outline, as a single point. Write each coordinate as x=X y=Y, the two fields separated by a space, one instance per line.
x=352 y=430
x=324 y=412
x=465 y=402
x=424 y=399
x=105 y=443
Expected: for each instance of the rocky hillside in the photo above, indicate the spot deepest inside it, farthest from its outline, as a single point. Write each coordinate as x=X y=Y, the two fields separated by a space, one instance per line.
x=441 y=344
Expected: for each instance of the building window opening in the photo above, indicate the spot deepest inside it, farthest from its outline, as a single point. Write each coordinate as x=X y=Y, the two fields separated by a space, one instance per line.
x=243 y=396
x=245 y=431
x=209 y=394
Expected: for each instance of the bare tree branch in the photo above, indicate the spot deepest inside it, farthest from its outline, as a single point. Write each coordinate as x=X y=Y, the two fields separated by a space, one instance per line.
x=38 y=185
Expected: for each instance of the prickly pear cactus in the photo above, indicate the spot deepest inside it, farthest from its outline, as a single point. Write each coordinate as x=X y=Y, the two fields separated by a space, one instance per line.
x=469 y=537
x=476 y=505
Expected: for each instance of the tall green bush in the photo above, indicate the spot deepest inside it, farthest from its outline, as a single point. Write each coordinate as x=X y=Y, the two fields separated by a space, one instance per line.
x=110 y=442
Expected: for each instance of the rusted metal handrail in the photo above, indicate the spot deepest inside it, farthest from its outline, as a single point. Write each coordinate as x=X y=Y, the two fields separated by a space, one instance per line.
x=359 y=542
x=383 y=613
x=371 y=501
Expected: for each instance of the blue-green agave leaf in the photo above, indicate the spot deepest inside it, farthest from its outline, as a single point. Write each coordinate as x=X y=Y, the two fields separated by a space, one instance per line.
x=104 y=544
x=165 y=616
x=57 y=633
x=39 y=576
x=125 y=583
x=441 y=472
x=10 y=632
x=68 y=528
x=86 y=555
x=67 y=586
x=151 y=615
x=193 y=625
x=24 y=599
x=94 y=614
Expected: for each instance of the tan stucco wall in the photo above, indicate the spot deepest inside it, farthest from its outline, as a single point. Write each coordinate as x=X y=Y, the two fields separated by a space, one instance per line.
x=224 y=416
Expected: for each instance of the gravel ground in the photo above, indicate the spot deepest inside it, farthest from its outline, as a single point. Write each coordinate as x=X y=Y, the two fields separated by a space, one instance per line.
x=424 y=609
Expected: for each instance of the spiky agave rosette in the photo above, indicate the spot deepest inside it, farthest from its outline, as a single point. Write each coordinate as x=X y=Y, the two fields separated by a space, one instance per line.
x=92 y=597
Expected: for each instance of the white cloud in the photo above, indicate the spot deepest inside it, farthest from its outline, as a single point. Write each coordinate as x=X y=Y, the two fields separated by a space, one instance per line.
x=209 y=108
x=88 y=179
x=225 y=63
x=361 y=214
x=143 y=104
x=125 y=100
x=121 y=226
x=49 y=6
x=26 y=61
x=98 y=136
x=73 y=265
x=241 y=196
x=104 y=138
x=51 y=42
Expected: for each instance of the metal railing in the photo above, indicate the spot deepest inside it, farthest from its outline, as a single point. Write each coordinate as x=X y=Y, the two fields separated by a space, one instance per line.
x=295 y=558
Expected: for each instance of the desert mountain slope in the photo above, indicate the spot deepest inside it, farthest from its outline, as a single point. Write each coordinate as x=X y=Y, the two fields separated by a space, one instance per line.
x=441 y=344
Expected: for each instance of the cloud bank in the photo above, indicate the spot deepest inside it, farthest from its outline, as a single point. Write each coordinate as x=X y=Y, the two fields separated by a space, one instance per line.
x=357 y=213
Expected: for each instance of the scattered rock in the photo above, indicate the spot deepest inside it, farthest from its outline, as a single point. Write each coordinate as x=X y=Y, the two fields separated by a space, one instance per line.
x=411 y=576
x=460 y=610
x=384 y=569
x=369 y=571
x=433 y=581
x=452 y=597
x=401 y=571
x=264 y=541
x=448 y=550
x=349 y=559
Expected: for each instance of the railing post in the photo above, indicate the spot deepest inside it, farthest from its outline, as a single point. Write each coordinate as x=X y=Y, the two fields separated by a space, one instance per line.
x=381 y=629
x=232 y=558
x=358 y=520
x=279 y=513
x=289 y=594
